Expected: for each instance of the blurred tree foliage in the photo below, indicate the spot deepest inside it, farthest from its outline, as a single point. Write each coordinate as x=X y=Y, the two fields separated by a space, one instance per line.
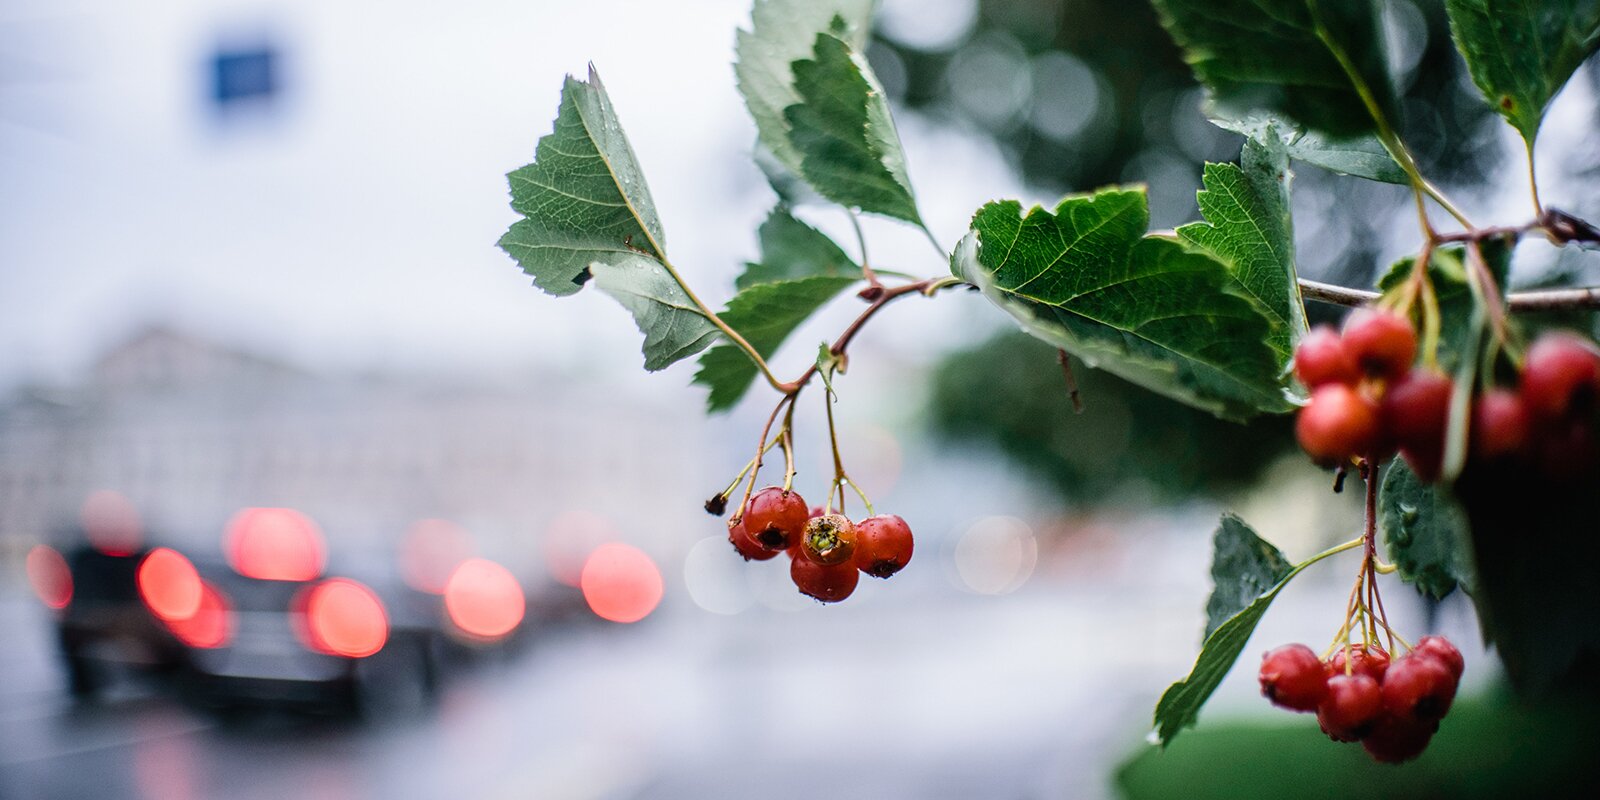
x=1128 y=443
x=1084 y=93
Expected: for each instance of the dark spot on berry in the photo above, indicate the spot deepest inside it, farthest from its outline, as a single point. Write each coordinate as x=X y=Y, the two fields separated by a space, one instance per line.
x=772 y=538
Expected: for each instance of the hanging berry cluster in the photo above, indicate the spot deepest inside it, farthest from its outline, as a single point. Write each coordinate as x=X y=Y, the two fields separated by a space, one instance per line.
x=1358 y=694
x=1367 y=400
x=827 y=552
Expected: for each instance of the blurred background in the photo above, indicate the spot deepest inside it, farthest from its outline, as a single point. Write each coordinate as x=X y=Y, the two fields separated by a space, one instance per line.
x=305 y=492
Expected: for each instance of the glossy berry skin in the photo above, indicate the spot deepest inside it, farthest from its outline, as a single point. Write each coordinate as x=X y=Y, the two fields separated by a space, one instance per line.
x=1292 y=677
x=883 y=545
x=1393 y=740
x=1440 y=648
x=1418 y=688
x=829 y=539
x=1415 y=413
x=1499 y=425
x=1367 y=660
x=1381 y=343
x=1321 y=358
x=746 y=546
x=1352 y=707
x=775 y=518
x=827 y=583
x=1339 y=424
x=1560 y=378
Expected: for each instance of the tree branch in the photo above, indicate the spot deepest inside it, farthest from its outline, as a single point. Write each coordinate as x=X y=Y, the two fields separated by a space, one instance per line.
x=1587 y=297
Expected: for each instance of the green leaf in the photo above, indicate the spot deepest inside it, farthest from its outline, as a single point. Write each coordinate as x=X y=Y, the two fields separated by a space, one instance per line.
x=1248 y=228
x=791 y=249
x=1150 y=309
x=1521 y=52
x=1243 y=567
x=1243 y=563
x=673 y=328
x=764 y=314
x=829 y=364
x=1425 y=533
x=782 y=32
x=849 y=149
x=1284 y=56
x=583 y=198
x=1360 y=156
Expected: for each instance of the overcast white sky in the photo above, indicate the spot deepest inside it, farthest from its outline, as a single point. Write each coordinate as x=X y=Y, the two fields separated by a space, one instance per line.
x=357 y=226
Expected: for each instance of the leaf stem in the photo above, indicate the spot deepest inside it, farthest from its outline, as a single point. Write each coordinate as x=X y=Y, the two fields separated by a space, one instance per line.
x=861 y=241
x=1533 y=181
x=727 y=330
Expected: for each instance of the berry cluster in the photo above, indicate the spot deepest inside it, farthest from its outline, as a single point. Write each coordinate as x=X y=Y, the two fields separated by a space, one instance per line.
x=827 y=552
x=1368 y=402
x=1358 y=694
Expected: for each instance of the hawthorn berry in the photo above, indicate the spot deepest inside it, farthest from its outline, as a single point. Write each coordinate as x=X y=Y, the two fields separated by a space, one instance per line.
x=829 y=539
x=1560 y=377
x=883 y=545
x=1369 y=660
x=1415 y=411
x=746 y=546
x=1351 y=707
x=1322 y=358
x=1566 y=449
x=1419 y=687
x=775 y=518
x=1338 y=424
x=1440 y=648
x=1293 y=677
x=1499 y=425
x=1394 y=739
x=828 y=583
x=1382 y=343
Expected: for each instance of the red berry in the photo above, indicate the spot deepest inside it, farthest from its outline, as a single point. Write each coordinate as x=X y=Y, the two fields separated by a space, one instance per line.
x=1499 y=425
x=1419 y=688
x=828 y=583
x=829 y=539
x=1440 y=648
x=883 y=545
x=746 y=546
x=816 y=511
x=1321 y=358
x=1394 y=739
x=1353 y=705
x=1371 y=661
x=1560 y=378
x=1415 y=412
x=775 y=518
x=1292 y=677
x=1382 y=343
x=1338 y=424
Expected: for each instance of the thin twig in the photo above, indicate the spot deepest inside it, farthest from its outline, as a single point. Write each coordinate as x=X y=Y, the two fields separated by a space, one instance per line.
x=1587 y=297
x=1072 y=380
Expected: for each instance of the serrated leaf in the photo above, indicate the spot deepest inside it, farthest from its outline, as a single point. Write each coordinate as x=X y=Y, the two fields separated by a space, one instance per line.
x=583 y=198
x=782 y=32
x=1150 y=309
x=791 y=249
x=1521 y=52
x=673 y=328
x=765 y=315
x=1248 y=228
x=1242 y=558
x=1360 y=156
x=1283 y=56
x=1244 y=566
x=849 y=149
x=1425 y=533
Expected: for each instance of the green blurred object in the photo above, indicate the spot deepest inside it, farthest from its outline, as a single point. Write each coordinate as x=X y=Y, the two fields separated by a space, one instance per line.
x=1488 y=747
x=1128 y=443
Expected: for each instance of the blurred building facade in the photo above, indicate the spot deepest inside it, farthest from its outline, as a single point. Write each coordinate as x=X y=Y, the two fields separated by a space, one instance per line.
x=191 y=431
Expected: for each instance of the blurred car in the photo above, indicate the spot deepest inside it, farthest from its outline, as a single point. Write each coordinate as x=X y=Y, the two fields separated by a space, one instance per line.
x=267 y=624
